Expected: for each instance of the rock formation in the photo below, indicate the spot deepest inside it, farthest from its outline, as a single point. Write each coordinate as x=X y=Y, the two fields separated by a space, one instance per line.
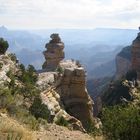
x=136 y=55
x=68 y=96
x=54 y=53
x=73 y=92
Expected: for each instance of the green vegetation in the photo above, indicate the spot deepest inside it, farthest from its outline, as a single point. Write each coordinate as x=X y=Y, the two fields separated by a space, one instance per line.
x=39 y=110
x=121 y=122
x=3 y=46
x=113 y=94
x=62 y=121
x=13 y=57
x=60 y=69
x=91 y=129
x=1 y=65
x=28 y=76
x=17 y=95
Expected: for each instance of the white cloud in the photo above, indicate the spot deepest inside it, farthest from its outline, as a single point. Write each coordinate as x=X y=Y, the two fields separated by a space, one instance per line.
x=69 y=13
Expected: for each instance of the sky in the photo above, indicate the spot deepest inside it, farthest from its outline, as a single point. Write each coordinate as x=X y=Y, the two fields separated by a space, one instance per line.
x=81 y=14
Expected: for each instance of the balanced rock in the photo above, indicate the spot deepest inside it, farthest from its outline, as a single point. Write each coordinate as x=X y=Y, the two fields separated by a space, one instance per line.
x=54 y=53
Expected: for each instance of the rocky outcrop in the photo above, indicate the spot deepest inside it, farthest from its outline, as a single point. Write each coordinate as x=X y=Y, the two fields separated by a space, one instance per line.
x=136 y=55
x=52 y=99
x=73 y=92
x=123 y=62
x=68 y=96
x=54 y=53
x=6 y=65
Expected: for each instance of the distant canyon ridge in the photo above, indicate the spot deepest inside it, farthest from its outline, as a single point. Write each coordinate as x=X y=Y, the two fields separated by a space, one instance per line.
x=94 y=48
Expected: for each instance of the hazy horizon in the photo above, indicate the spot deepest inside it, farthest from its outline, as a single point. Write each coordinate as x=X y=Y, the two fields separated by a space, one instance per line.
x=33 y=29
x=69 y=14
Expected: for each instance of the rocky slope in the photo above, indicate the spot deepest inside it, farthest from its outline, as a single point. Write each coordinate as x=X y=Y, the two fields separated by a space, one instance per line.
x=50 y=132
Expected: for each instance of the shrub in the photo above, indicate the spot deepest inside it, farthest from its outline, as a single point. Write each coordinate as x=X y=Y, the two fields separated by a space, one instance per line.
x=39 y=110
x=13 y=57
x=6 y=98
x=1 y=65
x=60 y=69
x=3 y=46
x=28 y=76
x=62 y=121
x=91 y=129
x=121 y=122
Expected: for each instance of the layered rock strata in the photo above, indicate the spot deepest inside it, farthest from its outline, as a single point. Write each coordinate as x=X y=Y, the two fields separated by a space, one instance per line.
x=66 y=94
x=54 y=53
x=73 y=92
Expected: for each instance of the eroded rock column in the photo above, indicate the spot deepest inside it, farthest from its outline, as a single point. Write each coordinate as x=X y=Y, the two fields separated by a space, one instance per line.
x=54 y=53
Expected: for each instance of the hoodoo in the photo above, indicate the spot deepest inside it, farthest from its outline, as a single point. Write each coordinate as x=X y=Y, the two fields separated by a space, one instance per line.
x=68 y=79
x=54 y=53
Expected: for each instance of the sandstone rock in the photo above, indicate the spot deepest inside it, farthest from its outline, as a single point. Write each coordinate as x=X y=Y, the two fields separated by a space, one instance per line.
x=6 y=65
x=54 y=53
x=68 y=96
x=74 y=94
x=52 y=99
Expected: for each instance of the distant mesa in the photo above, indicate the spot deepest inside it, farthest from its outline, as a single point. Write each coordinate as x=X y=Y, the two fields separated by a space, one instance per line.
x=54 y=53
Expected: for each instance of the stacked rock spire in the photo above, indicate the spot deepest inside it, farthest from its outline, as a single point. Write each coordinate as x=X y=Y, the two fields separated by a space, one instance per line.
x=54 y=53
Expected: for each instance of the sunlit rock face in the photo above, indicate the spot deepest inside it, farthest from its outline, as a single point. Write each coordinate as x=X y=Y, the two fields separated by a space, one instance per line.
x=73 y=92
x=136 y=55
x=54 y=53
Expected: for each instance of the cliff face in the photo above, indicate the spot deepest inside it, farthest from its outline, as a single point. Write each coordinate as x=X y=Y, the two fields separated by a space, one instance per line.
x=136 y=55
x=54 y=53
x=123 y=62
x=73 y=92
x=69 y=97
